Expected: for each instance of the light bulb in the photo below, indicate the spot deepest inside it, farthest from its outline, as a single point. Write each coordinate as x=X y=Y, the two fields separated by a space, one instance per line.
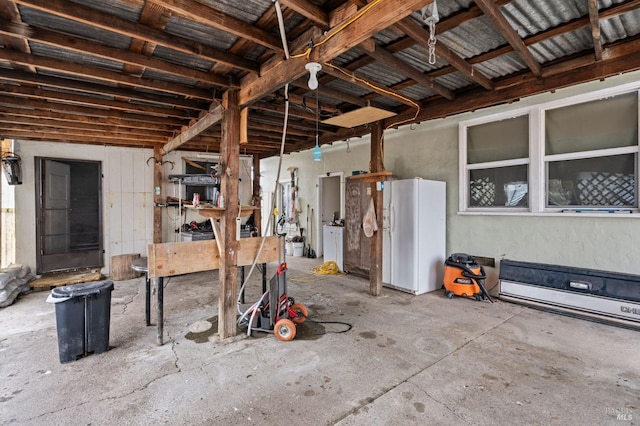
x=313 y=68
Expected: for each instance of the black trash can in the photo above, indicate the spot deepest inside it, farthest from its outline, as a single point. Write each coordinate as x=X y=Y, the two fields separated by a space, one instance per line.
x=83 y=314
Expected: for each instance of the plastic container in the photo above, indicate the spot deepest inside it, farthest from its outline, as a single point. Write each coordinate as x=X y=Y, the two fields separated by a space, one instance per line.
x=83 y=315
x=298 y=248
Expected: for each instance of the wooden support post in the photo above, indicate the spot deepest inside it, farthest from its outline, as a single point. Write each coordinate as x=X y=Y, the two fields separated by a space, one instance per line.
x=157 y=194
x=230 y=158
x=375 y=271
x=257 y=198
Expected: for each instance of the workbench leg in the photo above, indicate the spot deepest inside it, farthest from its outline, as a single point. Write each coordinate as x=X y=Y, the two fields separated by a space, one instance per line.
x=147 y=300
x=242 y=282
x=160 y=311
x=264 y=278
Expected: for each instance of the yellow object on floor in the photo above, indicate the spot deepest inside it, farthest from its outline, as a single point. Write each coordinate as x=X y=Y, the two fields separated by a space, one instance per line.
x=327 y=268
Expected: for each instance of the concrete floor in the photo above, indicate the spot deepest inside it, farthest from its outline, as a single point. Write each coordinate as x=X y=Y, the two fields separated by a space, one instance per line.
x=407 y=360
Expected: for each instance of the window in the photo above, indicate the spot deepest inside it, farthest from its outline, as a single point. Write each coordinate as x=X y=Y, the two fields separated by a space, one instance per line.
x=497 y=163
x=574 y=155
x=606 y=132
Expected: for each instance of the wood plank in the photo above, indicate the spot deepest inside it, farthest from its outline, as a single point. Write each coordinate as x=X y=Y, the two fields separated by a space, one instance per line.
x=380 y=16
x=121 y=267
x=57 y=280
x=308 y=10
x=229 y=149
x=421 y=36
x=208 y=15
x=92 y=17
x=194 y=130
x=595 y=29
x=168 y=259
x=387 y=58
x=496 y=17
x=86 y=47
x=84 y=71
x=377 y=167
x=359 y=117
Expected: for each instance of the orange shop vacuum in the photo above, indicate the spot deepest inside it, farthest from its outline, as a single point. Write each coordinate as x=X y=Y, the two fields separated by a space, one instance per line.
x=464 y=277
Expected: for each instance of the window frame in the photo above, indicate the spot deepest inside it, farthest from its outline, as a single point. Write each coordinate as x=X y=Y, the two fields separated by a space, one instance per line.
x=538 y=161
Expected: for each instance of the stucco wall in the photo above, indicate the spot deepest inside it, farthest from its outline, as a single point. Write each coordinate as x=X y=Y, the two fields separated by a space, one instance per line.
x=430 y=150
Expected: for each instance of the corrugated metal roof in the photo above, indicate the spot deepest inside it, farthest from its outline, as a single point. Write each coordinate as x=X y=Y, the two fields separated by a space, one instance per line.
x=40 y=19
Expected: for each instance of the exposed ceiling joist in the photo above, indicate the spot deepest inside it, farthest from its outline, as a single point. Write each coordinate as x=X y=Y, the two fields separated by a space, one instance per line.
x=387 y=58
x=118 y=25
x=102 y=74
x=379 y=16
x=309 y=11
x=209 y=15
x=209 y=119
x=492 y=12
x=421 y=36
x=29 y=78
x=595 y=29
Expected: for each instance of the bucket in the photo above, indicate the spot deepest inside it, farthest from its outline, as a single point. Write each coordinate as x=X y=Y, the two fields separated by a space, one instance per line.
x=298 y=249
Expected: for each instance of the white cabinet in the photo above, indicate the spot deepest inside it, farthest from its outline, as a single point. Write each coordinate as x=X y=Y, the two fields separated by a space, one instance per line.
x=332 y=243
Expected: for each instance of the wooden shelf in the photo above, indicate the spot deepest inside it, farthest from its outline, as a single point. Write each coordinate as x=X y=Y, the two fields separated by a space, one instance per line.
x=216 y=212
x=372 y=177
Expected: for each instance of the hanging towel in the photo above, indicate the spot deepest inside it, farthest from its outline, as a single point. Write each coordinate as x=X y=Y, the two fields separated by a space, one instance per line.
x=369 y=222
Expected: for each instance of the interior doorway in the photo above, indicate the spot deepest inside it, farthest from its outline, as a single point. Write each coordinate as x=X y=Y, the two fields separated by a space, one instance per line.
x=330 y=204
x=68 y=215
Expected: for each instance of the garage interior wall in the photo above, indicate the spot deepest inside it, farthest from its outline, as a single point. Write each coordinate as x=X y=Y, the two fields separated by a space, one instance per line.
x=430 y=151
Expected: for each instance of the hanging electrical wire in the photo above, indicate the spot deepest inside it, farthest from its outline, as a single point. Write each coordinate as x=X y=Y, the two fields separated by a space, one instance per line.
x=282 y=143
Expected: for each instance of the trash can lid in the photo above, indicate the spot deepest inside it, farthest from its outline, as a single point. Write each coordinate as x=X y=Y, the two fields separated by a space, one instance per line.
x=84 y=289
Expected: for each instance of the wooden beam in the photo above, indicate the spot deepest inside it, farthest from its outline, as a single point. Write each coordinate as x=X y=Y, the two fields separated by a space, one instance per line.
x=375 y=259
x=75 y=125
x=82 y=120
x=410 y=27
x=595 y=29
x=84 y=71
x=157 y=195
x=27 y=134
x=31 y=104
x=387 y=58
x=16 y=76
x=122 y=26
x=208 y=15
x=65 y=97
x=342 y=38
x=169 y=259
x=229 y=150
x=308 y=10
x=86 y=47
x=8 y=127
x=496 y=17
x=200 y=126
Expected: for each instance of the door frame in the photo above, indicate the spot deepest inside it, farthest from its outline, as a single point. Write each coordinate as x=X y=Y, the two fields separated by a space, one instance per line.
x=78 y=263
x=317 y=223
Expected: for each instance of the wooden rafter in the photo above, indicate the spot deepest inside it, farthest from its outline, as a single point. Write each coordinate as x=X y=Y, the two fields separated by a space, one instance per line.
x=208 y=15
x=194 y=130
x=377 y=18
x=421 y=36
x=387 y=58
x=118 y=25
x=492 y=12
x=595 y=29
x=28 y=78
x=308 y=10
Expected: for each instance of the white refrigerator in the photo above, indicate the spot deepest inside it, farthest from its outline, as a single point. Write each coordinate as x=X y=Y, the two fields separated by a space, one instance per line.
x=414 y=235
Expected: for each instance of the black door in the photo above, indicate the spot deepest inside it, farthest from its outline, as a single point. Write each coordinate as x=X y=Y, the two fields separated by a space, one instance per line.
x=69 y=215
